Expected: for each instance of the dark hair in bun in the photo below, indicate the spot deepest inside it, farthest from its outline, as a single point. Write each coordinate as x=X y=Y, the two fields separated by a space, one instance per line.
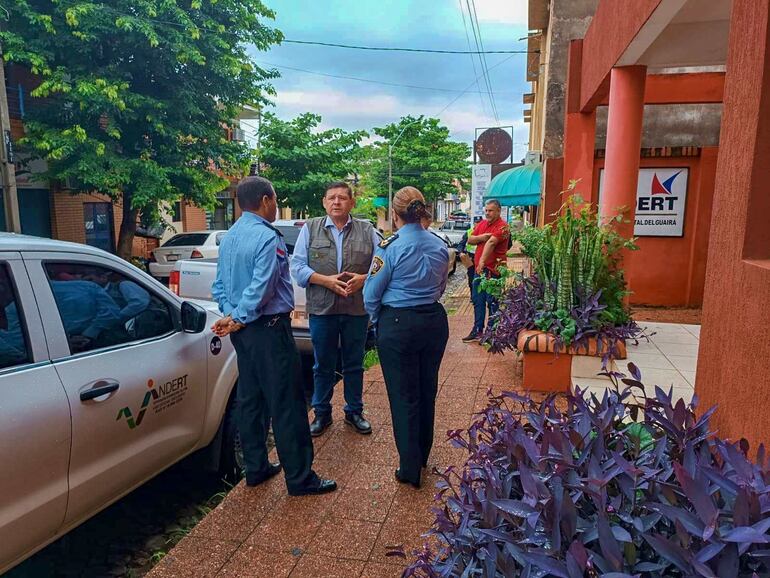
x=409 y=204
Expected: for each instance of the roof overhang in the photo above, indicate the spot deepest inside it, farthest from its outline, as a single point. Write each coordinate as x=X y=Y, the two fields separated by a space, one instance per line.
x=661 y=34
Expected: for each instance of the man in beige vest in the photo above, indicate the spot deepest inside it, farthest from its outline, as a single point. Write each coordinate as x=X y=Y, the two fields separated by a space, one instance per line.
x=331 y=260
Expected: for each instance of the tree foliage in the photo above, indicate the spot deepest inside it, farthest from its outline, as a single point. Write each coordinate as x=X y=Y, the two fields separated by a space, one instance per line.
x=301 y=160
x=423 y=157
x=135 y=94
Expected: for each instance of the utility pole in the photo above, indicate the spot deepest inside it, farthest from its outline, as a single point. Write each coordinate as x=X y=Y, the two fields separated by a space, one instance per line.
x=10 y=196
x=390 y=172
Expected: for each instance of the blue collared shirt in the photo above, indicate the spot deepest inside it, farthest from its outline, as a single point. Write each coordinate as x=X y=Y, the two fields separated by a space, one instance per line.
x=253 y=271
x=411 y=270
x=300 y=269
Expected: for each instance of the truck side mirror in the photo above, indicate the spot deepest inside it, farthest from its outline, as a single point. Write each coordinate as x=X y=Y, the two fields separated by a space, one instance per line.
x=193 y=318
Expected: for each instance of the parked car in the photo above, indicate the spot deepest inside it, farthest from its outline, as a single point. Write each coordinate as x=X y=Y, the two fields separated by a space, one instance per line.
x=107 y=377
x=192 y=245
x=454 y=230
x=453 y=255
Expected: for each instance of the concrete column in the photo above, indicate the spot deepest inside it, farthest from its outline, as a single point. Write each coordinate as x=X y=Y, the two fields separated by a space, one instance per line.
x=624 y=141
x=579 y=129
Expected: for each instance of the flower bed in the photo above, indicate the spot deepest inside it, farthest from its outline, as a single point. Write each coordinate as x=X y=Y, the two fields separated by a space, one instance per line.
x=633 y=484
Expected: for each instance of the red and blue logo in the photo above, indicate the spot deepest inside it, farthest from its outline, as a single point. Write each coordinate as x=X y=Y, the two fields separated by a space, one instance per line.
x=663 y=188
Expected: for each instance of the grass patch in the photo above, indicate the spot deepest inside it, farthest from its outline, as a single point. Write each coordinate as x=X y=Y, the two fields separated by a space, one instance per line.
x=371 y=358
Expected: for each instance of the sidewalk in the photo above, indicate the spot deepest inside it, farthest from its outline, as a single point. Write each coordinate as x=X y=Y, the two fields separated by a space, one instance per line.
x=261 y=532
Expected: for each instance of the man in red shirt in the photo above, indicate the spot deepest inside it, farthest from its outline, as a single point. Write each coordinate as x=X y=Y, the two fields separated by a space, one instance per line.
x=491 y=239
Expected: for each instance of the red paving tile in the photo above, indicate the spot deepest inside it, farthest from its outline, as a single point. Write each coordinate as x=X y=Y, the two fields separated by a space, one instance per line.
x=312 y=566
x=261 y=532
x=343 y=538
x=258 y=562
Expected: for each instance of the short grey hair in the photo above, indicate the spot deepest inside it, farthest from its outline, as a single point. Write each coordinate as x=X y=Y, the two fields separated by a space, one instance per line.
x=494 y=202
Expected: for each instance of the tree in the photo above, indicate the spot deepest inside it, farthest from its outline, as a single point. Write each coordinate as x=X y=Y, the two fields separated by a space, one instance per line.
x=423 y=157
x=301 y=160
x=137 y=95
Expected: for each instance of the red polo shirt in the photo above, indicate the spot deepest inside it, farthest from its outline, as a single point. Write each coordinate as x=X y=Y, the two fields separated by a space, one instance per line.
x=497 y=228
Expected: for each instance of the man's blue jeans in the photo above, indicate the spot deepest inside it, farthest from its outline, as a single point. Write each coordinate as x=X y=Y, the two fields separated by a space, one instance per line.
x=481 y=302
x=326 y=332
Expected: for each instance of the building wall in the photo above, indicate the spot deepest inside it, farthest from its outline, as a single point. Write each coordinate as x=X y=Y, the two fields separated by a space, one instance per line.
x=672 y=125
x=569 y=20
x=671 y=271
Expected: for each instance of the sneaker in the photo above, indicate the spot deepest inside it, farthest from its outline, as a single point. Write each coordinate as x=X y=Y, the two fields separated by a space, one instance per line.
x=471 y=337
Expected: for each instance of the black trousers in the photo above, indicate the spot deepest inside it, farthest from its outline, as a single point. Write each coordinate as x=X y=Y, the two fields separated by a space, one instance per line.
x=269 y=387
x=411 y=343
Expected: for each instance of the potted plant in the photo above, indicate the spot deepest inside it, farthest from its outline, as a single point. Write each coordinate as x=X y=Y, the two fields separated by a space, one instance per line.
x=573 y=303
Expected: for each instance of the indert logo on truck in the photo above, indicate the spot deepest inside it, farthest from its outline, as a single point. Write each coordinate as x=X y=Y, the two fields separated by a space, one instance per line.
x=160 y=398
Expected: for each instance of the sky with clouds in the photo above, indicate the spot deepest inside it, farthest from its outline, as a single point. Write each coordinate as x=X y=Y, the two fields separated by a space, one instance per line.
x=433 y=24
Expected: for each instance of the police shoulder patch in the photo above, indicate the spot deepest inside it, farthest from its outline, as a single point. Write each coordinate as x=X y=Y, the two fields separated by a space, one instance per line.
x=385 y=242
x=377 y=264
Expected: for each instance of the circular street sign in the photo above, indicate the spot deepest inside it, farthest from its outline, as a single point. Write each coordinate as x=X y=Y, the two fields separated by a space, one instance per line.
x=494 y=146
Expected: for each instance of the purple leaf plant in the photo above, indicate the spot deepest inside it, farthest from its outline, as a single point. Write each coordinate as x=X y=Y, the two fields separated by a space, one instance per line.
x=634 y=483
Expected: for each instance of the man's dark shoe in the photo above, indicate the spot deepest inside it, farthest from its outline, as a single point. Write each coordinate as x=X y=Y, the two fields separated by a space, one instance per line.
x=471 y=337
x=320 y=424
x=358 y=422
x=256 y=479
x=321 y=487
x=402 y=480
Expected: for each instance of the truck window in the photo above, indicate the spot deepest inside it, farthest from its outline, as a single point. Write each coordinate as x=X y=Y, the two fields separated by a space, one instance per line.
x=100 y=307
x=13 y=334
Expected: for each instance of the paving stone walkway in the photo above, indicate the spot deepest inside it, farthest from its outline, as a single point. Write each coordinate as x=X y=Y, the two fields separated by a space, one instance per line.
x=261 y=532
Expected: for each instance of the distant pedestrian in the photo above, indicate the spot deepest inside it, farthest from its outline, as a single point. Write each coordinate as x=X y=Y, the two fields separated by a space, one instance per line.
x=254 y=292
x=491 y=239
x=408 y=276
x=331 y=259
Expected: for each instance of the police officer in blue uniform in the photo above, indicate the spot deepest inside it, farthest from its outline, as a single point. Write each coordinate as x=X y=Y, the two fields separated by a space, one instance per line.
x=254 y=292
x=407 y=278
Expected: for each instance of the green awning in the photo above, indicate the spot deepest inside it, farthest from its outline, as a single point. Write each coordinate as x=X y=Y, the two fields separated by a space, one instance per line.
x=517 y=187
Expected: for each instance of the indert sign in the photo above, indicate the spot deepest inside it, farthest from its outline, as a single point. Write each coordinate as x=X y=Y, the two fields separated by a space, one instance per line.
x=661 y=197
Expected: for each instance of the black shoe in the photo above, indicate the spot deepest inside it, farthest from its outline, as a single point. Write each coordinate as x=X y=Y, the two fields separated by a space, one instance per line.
x=358 y=422
x=255 y=480
x=321 y=487
x=471 y=337
x=319 y=425
x=402 y=480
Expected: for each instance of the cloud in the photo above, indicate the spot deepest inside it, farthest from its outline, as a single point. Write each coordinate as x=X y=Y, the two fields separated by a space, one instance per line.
x=330 y=103
x=502 y=11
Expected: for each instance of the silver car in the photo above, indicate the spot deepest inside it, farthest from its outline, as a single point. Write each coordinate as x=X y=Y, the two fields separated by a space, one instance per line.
x=107 y=378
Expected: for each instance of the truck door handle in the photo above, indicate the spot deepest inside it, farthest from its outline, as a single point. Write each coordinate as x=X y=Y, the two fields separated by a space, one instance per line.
x=98 y=389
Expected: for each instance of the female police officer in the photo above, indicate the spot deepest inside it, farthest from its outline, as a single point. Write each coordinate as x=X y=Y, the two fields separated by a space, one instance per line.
x=407 y=277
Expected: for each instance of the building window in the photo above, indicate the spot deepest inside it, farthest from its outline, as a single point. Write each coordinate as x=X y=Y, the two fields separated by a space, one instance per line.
x=176 y=211
x=222 y=217
x=97 y=218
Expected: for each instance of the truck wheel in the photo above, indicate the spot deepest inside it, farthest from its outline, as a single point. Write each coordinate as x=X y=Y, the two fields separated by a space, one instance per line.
x=231 y=457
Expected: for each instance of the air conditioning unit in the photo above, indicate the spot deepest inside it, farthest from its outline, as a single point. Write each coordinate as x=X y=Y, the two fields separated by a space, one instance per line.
x=533 y=157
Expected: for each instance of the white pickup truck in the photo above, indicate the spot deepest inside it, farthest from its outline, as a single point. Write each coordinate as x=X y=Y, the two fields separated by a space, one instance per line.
x=107 y=377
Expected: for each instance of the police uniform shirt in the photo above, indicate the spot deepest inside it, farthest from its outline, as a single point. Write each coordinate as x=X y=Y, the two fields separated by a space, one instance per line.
x=409 y=269
x=253 y=271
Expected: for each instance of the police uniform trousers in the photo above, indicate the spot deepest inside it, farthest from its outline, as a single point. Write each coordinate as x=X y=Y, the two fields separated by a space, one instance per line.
x=269 y=387
x=411 y=343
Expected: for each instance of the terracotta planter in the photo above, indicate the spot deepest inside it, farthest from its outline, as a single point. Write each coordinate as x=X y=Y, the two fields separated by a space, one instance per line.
x=548 y=367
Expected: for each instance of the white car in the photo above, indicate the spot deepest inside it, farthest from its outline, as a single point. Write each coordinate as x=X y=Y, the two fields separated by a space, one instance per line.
x=107 y=378
x=191 y=245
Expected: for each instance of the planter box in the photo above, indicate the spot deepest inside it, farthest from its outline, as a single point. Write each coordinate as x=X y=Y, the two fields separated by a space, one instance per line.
x=548 y=367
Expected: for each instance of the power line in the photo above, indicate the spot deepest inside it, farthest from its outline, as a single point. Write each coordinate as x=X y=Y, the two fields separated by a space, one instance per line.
x=473 y=60
x=401 y=49
x=467 y=89
x=368 y=80
x=484 y=71
x=192 y=25
x=483 y=59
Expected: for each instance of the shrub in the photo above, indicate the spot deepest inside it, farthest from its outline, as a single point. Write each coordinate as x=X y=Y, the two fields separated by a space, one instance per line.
x=574 y=486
